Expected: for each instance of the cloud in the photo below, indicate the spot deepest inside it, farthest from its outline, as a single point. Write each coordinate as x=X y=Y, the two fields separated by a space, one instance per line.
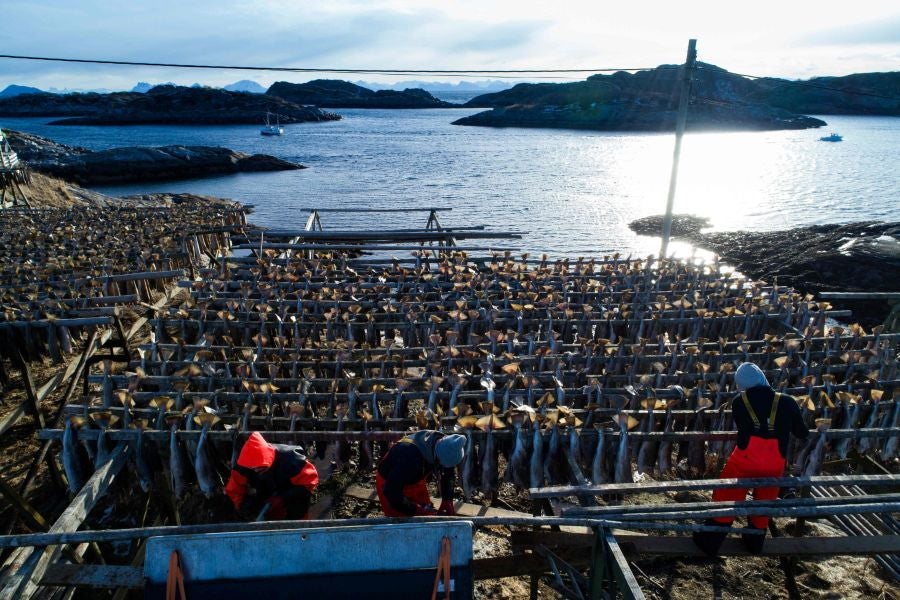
x=425 y=34
x=881 y=31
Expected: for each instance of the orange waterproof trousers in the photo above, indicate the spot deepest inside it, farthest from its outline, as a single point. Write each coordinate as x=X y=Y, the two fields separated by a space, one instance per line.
x=417 y=493
x=761 y=458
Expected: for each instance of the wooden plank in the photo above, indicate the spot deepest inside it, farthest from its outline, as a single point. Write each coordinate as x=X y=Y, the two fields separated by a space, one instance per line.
x=617 y=512
x=710 y=484
x=377 y=210
x=463 y=509
x=387 y=234
x=625 y=580
x=282 y=436
x=30 y=515
x=364 y=247
x=11 y=418
x=684 y=546
x=32 y=400
x=27 y=565
x=519 y=565
x=94 y=576
x=860 y=295
x=167 y=297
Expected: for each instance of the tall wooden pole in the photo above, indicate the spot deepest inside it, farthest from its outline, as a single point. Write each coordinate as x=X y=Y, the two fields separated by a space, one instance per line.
x=687 y=72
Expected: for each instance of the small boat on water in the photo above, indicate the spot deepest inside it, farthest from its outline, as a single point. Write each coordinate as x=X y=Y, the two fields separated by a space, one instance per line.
x=270 y=128
x=834 y=137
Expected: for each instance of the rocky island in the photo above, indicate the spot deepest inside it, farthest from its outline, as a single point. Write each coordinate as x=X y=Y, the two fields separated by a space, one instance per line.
x=641 y=101
x=130 y=164
x=849 y=257
x=164 y=104
x=334 y=93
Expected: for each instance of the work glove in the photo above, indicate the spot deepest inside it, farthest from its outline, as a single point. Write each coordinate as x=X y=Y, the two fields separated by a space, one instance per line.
x=425 y=510
x=446 y=508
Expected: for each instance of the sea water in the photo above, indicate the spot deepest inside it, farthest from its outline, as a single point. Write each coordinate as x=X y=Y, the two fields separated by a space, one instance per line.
x=568 y=192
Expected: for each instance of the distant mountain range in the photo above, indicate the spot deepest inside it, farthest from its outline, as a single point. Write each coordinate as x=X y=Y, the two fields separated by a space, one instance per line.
x=463 y=89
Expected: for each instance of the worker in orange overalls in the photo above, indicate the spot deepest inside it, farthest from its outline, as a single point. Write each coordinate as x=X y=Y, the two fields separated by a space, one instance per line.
x=281 y=477
x=402 y=473
x=765 y=421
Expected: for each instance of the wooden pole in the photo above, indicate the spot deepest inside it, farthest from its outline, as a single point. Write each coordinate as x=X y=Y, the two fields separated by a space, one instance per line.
x=687 y=71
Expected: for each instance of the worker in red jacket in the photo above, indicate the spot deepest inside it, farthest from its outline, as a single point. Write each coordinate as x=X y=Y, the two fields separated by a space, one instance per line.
x=402 y=473
x=765 y=421
x=281 y=477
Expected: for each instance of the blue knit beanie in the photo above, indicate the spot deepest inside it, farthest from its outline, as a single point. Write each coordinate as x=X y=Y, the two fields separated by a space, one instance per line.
x=450 y=450
x=749 y=375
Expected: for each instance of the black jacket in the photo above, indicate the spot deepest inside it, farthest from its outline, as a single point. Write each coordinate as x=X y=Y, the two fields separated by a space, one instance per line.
x=788 y=418
x=409 y=462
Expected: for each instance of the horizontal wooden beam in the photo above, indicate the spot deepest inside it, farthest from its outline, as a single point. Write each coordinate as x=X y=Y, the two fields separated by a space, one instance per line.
x=748 y=509
x=358 y=436
x=45 y=323
x=94 y=576
x=860 y=295
x=380 y=210
x=113 y=535
x=518 y=565
x=660 y=487
x=684 y=546
x=432 y=235
x=351 y=248
x=622 y=511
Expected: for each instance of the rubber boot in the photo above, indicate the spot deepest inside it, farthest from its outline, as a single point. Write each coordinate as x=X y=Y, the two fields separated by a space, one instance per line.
x=710 y=541
x=754 y=542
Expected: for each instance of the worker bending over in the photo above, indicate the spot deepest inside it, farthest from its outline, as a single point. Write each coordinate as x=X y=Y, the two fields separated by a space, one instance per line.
x=765 y=421
x=281 y=479
x=403 y=471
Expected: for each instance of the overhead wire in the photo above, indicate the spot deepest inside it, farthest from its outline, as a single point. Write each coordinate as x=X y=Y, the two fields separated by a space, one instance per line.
x=449 y=72
x=496 y=73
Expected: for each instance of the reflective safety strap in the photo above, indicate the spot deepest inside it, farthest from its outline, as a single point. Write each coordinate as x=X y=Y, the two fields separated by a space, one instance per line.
x=750 y=409
x=771 y=422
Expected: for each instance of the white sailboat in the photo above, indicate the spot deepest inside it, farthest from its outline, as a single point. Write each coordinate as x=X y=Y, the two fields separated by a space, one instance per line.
x=270 y=128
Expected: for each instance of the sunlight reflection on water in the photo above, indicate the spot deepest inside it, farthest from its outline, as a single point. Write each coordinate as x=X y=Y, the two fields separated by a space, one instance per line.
x=570 y=192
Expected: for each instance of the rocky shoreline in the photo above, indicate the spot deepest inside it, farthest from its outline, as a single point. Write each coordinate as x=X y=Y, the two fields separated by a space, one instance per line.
x=134 y=164
x=851 y=257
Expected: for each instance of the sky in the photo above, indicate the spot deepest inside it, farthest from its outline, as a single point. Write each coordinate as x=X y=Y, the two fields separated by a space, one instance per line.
x=793 y=39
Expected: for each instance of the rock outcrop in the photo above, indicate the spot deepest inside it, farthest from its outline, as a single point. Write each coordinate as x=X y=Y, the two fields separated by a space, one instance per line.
x=334 y=93
x=642 y=101
x=125 y=165
x=165 y=104
x=858 y=94
x=852 y=257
